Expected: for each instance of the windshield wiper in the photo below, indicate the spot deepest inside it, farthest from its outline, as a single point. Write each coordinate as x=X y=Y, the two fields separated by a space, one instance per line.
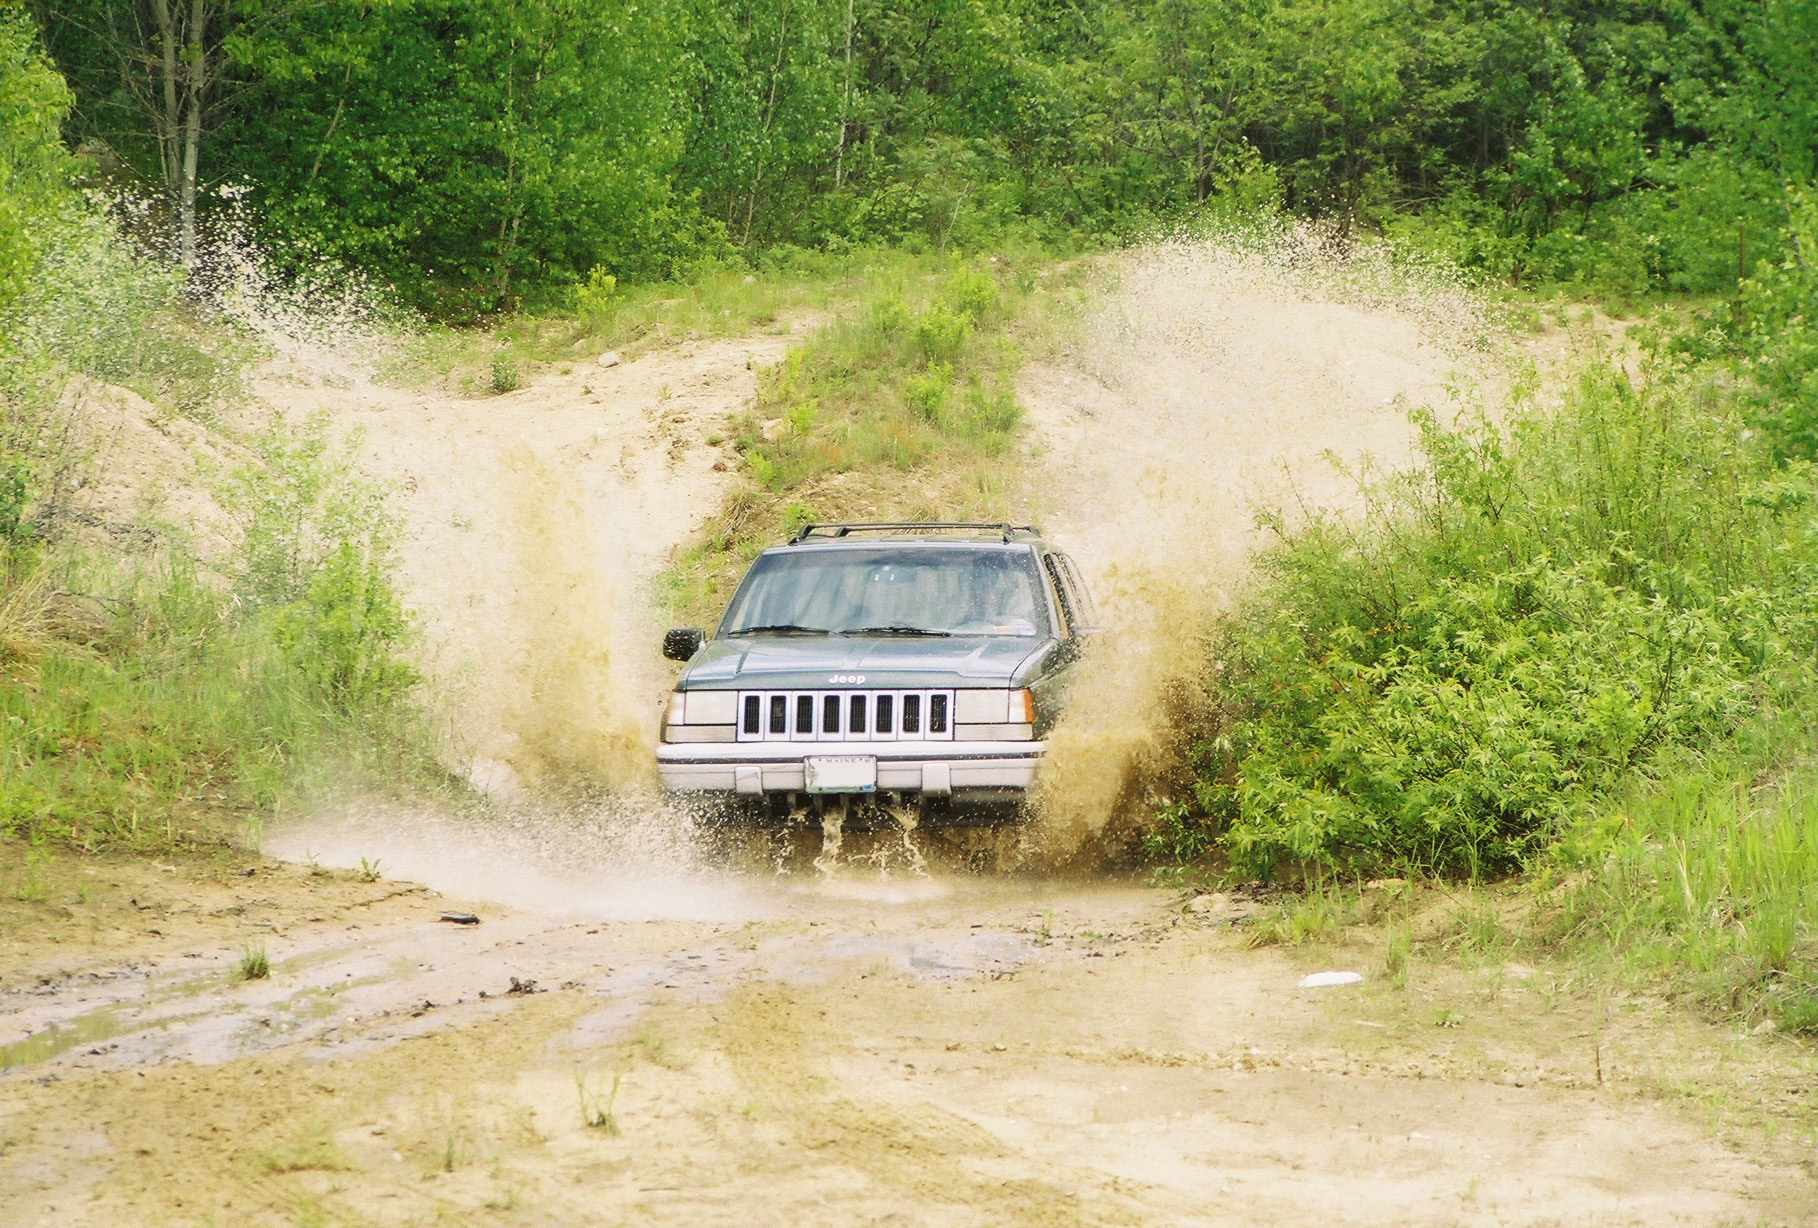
x=894 y=629
x=780 y=629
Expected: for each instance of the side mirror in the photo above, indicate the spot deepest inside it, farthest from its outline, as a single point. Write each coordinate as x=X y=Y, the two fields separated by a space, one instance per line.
x=681 y=643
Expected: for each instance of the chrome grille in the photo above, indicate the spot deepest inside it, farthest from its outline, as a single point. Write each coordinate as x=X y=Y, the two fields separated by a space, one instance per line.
x=845 y=716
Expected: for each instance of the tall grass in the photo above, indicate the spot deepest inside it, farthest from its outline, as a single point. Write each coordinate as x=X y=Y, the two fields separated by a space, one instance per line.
x=790 y=288
x=172 y=720
x=148 y=698
x=1706 y=882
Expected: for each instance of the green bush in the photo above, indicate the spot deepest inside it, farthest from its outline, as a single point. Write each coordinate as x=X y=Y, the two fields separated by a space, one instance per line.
x=593 y=298
x=1707 y=881
x=343 y=637
x=505 y=374
x=296 y=502
x=942 y=333
x=929 y=393
x=1512 y=630
x=15 y=493
x=133 y=716
x=971 y=292
x=1777 y=334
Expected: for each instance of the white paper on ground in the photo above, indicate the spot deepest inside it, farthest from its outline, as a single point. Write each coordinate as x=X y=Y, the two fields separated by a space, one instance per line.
x=1319 y=980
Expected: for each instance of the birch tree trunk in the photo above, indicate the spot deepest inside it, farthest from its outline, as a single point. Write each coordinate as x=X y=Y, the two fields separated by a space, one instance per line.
x=170 y=118
x=839 y=159
x=196 y=79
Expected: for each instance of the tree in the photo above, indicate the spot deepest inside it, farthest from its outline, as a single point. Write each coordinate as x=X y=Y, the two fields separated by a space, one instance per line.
x=152 y=76
x=34 y=168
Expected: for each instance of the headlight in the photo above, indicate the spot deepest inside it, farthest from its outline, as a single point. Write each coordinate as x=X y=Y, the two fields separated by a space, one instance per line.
x=700 y=716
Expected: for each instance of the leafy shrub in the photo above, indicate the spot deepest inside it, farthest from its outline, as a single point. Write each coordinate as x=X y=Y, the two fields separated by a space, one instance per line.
x=971 y=292
x=890 y=315
x=1777 y=334
x=992 y=415
x=33 y=164
x=929 y=393
x=1508 y=634
x=941 y=333
x=14 y=494
x=505 y=374
x=345 y=634
x=313 y=557
x=593 y=298
x=296 y=502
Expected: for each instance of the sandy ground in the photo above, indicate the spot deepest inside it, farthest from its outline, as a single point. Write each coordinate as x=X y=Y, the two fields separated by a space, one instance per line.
x=644 y=1029
x=849 y=1051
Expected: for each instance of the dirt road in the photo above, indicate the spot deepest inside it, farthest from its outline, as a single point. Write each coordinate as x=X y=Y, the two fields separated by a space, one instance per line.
x=646 y=1029
x=842 y=1051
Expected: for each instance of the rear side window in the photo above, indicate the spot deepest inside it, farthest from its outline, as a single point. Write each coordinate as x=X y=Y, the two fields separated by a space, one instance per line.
x=1081 y=597
x=1062 y=593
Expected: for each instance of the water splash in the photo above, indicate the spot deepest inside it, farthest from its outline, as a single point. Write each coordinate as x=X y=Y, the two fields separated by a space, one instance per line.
x=575 y=719
x=1221 y=374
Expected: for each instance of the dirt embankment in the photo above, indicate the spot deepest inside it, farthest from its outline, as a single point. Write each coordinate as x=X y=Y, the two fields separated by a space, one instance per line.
x=534 y=523
x=634 y=1034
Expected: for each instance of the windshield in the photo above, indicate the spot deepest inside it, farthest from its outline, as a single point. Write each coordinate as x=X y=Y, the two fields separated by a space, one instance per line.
x=909 y=590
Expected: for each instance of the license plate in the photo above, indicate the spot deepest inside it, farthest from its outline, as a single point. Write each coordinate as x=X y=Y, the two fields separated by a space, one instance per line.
x=840 y=773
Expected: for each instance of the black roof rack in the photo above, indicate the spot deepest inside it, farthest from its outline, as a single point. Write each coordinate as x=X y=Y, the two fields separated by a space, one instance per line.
x=1001 y=528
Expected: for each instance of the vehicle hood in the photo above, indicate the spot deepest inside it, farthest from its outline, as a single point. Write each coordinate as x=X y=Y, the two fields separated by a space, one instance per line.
x=790 y=662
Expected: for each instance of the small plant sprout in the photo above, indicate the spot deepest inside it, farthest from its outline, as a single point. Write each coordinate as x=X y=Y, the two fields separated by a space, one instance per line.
x=316 y=868
x=505 y=374
x=1396 y=958
x=254 y=965
x=1446 y=1017
x=369 y=870
x=596 y=1111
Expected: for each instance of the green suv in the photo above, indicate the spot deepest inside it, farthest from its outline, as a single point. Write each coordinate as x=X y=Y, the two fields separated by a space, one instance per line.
x=922 y=663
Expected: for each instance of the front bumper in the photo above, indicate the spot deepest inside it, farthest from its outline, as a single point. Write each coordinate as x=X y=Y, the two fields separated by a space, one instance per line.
x=932 y=768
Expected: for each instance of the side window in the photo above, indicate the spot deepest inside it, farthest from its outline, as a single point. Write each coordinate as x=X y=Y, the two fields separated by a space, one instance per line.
x=1061 y=593
x=1080 y=597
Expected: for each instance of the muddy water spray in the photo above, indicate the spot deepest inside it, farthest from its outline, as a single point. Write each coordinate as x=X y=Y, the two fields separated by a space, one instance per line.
x=576 y=717
x=1219 y=377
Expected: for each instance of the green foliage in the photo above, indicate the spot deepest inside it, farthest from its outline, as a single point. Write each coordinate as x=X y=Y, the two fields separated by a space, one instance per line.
x=313 y=558
x=1514 y=630
x=15 y=493
x=143 y=703
x=1776 y=336
x=593 y=298
x=940 y=333
x=254 y=964
x=896 y=386
x=343 y=637
x=1703 y=881
x=296 y=502
x=505 y=374
x=478 y=152
x=34 y=167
